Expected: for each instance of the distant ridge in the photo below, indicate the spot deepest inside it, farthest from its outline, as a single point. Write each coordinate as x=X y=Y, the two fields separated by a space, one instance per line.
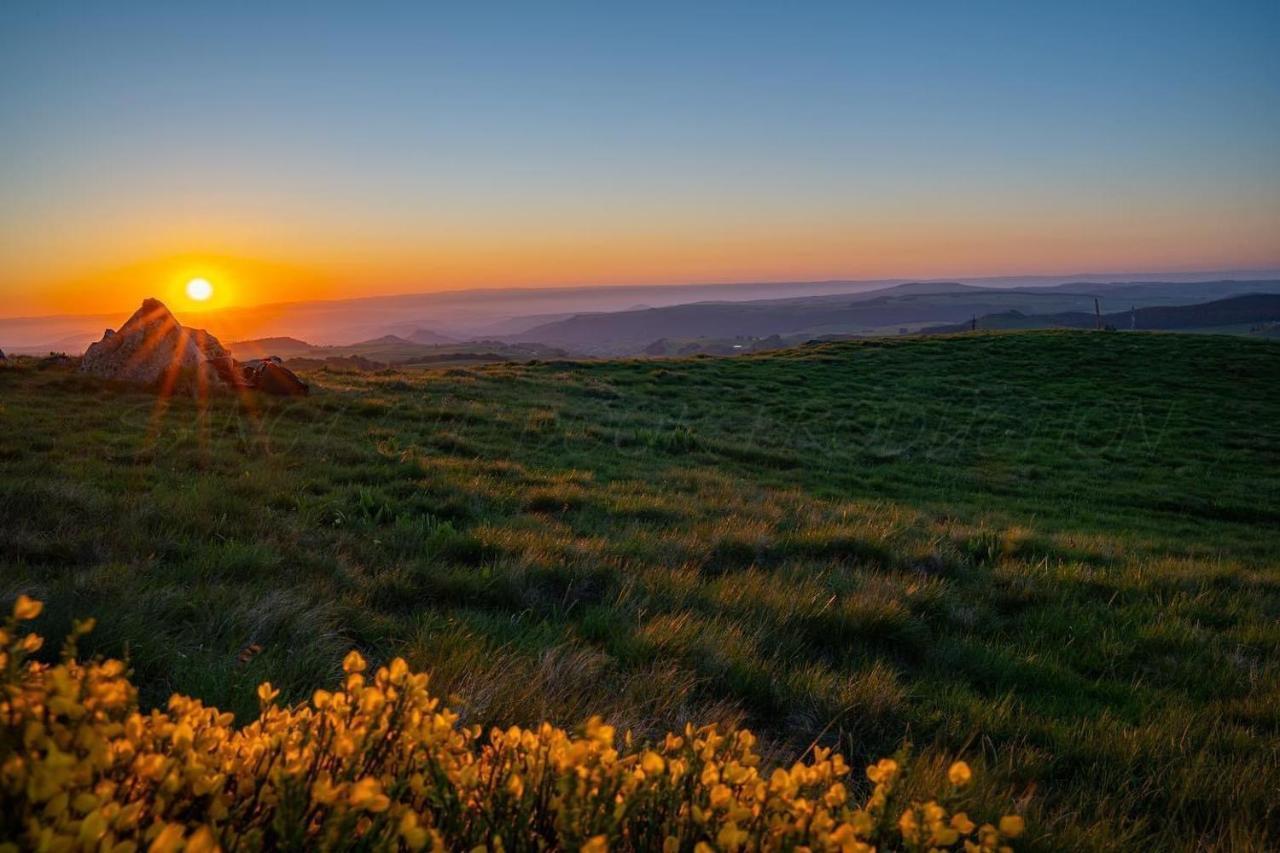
x=263 y=347
x=426 y=336
x=386 y=351
x=892 y=310
x=1235 y=310
x=461 y=315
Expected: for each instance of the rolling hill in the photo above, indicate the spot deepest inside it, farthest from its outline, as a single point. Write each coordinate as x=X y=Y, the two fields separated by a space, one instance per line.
x=1249 y=310
x=893 y=310
x=1050 y=552
x=389 y=350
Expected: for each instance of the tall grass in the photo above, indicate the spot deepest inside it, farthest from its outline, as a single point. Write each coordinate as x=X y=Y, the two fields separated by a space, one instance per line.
x=1051 y=553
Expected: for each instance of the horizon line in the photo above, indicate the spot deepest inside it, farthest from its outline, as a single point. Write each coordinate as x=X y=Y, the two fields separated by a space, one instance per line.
x=1062 y=278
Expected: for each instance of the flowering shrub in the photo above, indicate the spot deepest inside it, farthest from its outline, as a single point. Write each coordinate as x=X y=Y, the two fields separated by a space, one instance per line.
x=380 y=764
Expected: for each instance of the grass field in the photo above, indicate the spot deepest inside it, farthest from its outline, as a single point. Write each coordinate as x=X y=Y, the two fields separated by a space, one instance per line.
x=1057 y=554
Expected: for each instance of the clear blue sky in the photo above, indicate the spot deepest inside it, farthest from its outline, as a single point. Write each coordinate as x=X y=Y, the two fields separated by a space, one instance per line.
x=590 y=142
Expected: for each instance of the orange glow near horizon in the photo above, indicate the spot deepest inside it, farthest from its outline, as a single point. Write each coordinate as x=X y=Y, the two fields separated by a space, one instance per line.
x=234 y=282
x=902 y=243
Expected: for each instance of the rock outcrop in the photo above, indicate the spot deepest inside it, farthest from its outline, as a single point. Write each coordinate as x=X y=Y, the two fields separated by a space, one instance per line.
x=268 y=375
x=271 y=377
x=152 y=348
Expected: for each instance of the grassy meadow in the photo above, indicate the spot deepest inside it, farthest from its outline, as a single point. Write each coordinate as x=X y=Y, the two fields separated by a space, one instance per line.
x=1056 y=554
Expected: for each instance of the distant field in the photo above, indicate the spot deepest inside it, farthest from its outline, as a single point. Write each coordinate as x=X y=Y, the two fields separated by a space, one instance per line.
x=1057 y=553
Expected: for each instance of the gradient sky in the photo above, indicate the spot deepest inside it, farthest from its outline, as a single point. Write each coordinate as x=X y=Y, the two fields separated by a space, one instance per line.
x=312 y=149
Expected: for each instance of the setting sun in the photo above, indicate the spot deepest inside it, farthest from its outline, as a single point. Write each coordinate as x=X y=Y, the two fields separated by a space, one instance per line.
x=199 y=289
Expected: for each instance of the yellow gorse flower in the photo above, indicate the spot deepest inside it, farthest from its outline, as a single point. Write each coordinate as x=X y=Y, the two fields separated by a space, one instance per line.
x=1011 y=826
x=380 y=764
x=26 y=608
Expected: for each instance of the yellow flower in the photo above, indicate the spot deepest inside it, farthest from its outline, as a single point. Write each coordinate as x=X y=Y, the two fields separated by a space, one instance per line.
x=908 y=825
x=1011 y=826
x=652 y=763
x=367 y=794
x=354 y=662
x=399 y=669
x=84 y=803
x=202 y=841
x=168 y=841
x=515 y=786
x=323 y=791
x=731 y=837
x=884 y=770
x=415 y=836
x=600 y=733
x=93 y=827
x=26 y=608
x=89 y=770
x=721 y=796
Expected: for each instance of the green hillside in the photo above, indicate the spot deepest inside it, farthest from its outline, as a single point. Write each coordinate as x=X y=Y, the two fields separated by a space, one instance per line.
x=887 y=311
x=389 y=350
x=1053 y=553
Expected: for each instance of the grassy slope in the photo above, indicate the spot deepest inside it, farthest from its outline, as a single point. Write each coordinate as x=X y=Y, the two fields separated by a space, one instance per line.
x=1054 y=551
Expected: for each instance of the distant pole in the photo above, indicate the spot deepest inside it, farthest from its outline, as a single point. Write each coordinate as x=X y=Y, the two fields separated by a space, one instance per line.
x=1097 y=313
x=1133 y=317
x=973 y=324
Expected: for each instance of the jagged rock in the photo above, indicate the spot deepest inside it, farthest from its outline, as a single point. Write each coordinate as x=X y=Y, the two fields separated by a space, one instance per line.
x=230 y=371
x=2 y=355
x=268 y=375
x=152 y=348
x=271 y=377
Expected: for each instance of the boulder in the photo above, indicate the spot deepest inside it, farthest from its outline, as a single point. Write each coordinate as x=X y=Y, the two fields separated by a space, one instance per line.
x=230 y=371
x=2 y=355
x=267 y=375
x=271 y=377
x=152 y=348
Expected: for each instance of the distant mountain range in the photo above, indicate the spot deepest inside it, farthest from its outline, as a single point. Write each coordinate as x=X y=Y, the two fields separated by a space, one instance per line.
x=1248 y=310
x=892 y=310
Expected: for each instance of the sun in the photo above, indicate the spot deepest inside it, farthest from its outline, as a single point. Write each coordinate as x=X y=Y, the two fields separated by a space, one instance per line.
x=199 y=289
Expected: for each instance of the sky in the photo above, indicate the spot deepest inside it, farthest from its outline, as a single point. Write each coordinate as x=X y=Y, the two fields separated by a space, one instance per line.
x=321 y=150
